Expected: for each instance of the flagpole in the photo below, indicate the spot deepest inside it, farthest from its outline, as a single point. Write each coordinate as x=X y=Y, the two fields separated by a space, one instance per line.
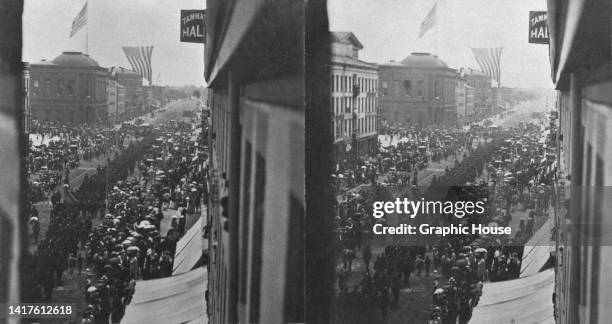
x=436 y=26
x=87 y=31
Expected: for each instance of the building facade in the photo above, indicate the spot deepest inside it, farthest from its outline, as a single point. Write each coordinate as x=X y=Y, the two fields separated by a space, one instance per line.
x=69 y=89
x=470 y=110
x=116 y=96
x=354 y=99
x=132 y=81
x=418 y=91
x=483 y=92
x=257 y=162
x=461 y=99
x=27 y=107
x=581 y=73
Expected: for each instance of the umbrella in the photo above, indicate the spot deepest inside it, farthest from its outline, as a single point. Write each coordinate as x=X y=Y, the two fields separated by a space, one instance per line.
x=480 y=250
x=133 y=249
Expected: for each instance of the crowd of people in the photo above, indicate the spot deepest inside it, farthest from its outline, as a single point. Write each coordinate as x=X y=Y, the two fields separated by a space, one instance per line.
x=112 y=225
x=55 y=149
x=511 y=169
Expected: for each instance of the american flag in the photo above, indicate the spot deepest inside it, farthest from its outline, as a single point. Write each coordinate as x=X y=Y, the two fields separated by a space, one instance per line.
x=489 y=61
x=140 y=60
x=429 y=21
x=79 y=21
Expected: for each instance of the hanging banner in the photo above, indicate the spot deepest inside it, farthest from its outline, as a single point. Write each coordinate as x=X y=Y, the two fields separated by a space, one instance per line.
x=193 y=27
x=538 y=29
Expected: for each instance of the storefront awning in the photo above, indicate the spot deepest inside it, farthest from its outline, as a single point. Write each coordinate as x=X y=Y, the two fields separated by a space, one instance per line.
x=536 y=251
x=188 y=249
x=524 y=300
x=176 y=299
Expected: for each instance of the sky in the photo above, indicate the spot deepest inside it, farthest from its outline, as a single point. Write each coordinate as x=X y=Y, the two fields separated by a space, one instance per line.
x=111 y=25
x=389 y=30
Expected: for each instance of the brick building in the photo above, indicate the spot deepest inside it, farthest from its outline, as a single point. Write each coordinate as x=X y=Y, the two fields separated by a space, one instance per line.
x=71 y=89
x=420 y=90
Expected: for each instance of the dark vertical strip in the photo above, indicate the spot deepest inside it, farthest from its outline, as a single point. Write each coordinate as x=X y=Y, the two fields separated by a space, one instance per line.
x=575 y=107
x=233 y=174
x=244 y=237
x=294 y=276
x=598 y=223
x=11 y=228
x=319 y=194
x=257 y=237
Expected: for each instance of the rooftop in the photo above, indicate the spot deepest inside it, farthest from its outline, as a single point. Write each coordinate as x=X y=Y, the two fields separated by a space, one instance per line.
x=74 y=59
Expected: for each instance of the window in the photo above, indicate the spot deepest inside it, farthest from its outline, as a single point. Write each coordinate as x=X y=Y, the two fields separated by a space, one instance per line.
x=47 y=88
x=384 y=88
x=420 y=88
x=407 y=87
x=70 y=88
x=435 y=88
x=396 y=88
x=36 y=87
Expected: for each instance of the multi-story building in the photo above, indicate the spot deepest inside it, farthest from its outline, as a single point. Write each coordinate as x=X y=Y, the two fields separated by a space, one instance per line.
x=132 y=82
x=354 y=100
x=580 y=66
x=71 y=88
x=420 y=90
x=483 y=93
x=257 y=94
x=121 y=100
x=116 y=96
x=470 y=110
x=27 y=107
x=461 y=99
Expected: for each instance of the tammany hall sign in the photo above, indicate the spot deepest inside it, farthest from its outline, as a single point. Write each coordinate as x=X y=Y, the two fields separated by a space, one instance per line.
x=538 y=29
x=192 y=26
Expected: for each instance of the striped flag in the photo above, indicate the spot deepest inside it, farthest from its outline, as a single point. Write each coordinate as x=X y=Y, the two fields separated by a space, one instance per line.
x=79 y=21
x=429 y=21
x=489 y=61
x=140 y=59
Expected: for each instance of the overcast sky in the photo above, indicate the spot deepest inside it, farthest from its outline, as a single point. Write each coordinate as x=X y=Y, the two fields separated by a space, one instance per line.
x=389 y=30
x=112 y=24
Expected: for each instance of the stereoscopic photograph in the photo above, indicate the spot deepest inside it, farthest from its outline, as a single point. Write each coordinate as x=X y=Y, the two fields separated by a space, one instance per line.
x=291 y=161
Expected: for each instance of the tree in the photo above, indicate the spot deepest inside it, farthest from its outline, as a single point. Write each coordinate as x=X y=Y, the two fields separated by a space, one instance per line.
x=196 y=94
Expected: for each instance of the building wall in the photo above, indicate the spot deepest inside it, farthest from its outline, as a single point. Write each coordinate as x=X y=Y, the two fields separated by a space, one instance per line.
x=121 y=99
x=483 y=96
x=68 y=94
x=461 y=99
x=271 y=191
x=470 y=110
x=585 y=112
x=27 y=107
x=417 y=96
x=133 y=84
x=354 y=113
x=111 y=93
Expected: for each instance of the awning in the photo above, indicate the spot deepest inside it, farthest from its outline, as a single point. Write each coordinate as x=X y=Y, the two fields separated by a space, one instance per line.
x=524 y=300
x=188 y=249
x=536 y=251
x=176 y=299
